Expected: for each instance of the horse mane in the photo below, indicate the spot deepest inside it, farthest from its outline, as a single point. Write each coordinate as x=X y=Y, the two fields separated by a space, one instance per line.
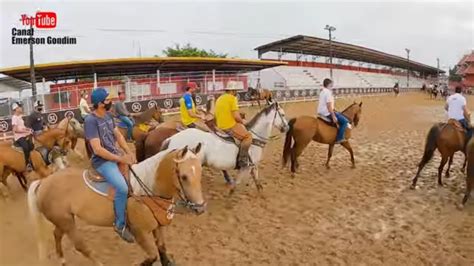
x=349 y=107
x=264 y=111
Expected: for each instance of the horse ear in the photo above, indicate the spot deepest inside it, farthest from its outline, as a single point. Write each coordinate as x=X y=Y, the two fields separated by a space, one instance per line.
x=183 y=152
x=198 y=148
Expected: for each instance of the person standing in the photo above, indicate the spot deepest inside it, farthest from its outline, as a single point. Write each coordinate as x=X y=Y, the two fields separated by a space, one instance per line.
x=84 y=106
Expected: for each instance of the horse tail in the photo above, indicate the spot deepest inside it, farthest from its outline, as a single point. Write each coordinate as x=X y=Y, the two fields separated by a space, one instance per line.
x=37 y=218
x=287 y=147
x=430 y=145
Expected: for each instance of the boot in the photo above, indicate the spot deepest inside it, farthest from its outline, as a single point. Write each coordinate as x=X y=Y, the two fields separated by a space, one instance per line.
x=243 y=159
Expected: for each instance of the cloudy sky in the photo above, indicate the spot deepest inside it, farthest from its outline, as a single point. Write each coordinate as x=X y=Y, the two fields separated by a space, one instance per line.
x=110 y=29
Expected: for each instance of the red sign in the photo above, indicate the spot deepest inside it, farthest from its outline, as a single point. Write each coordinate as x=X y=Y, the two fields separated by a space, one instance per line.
x=42 y=20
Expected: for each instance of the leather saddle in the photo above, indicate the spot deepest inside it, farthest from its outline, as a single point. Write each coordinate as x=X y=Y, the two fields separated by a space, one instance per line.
x=327 y=121
x=457 y=125
x=98 y=184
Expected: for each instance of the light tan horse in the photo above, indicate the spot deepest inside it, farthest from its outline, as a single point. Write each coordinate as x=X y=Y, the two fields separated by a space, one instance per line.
x=304 y=129
x=447 y=138
x=75 y=131
x=167 y=177
x=12 y=161
x=142 y=122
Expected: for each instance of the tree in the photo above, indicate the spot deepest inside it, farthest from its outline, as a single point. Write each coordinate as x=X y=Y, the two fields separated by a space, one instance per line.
x=189 y=51
x=452 y=74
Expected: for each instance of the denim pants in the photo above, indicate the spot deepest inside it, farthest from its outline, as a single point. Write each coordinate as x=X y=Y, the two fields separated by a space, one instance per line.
x=466 y=126
x=111 y=173
x=343 y=122
x=129 y=124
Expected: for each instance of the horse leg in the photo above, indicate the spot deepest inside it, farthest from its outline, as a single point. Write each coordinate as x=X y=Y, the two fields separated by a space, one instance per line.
x=22 y=180
x=464 y=164
x=440 y=170
x=330 y=150
x=79 y=244
x=254 y=174
x=58 y=236
x=147 y=246
x=296 y=151
x=160 y=243
x=348 y=147
x=449 y=166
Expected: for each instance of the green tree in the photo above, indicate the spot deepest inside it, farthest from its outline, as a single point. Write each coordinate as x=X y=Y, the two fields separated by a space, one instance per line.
x=452 y=74
x=189 y=51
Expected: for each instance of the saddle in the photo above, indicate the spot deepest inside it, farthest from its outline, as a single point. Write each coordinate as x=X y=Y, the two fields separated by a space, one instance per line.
x=457 y=125
x=330 y=123
x=162 y=209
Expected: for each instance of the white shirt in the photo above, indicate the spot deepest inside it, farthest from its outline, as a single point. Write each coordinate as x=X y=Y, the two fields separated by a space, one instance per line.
x=325 y=97
x=456 y=103
x=83 y=107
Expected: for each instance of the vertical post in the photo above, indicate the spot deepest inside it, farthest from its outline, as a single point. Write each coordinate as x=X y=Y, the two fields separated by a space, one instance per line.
x=32 y=66
x=60 y=100
x=213 y=79
x=330 y=29
x=95 y=80
x=408 y=67
x=437 y=71
x=158 y=80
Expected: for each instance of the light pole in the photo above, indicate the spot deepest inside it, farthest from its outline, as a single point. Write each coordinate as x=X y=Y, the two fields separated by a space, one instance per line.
x=408 y=67
x=437 y=70
x=330 y=29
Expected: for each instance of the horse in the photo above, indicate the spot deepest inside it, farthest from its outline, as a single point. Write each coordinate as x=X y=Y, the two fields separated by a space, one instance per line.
x=12 y=160
x=447 y=138
x=142 y=122
x=220 y=152
x=260 y=94
x=303 y=129
x=434 y=92
x=167 y=177
x=76 y=131
x=470 y=172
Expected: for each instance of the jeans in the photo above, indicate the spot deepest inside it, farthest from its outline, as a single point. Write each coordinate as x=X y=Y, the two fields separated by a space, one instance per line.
x=343 y=122
x=129 y=123
x=468 y=129
x=27 y=147
x=111 y=173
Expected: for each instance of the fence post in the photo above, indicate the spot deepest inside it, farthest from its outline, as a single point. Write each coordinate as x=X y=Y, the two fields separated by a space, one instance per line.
x=213 y=79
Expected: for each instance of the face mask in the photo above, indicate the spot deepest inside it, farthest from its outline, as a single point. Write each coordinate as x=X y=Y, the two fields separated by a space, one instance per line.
x=108 y=106
x=40 y=109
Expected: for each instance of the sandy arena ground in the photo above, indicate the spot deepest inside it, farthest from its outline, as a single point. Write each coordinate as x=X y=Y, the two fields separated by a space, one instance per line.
x=341 y=216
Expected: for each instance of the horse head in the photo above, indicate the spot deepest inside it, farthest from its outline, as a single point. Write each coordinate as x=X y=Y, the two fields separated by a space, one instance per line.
x=185 y=182
x=357 y=111
x=279 y=120
x=157 y=114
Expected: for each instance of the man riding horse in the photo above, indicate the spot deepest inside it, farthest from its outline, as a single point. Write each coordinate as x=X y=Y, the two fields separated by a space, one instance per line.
x=326 y=109
x=229 y=120
x=124 y=115
x=457 y=109
x=190 y=116
x=21 y=134
x=103 y=137
x=35 y=120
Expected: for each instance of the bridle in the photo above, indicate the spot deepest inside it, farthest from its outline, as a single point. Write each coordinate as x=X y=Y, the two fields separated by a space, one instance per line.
x=263 y=139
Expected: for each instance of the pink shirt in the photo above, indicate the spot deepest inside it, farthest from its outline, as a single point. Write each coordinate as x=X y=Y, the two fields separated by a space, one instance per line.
x=20 y=124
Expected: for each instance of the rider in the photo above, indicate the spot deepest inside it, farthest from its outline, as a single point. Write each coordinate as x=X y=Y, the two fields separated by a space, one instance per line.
x=229 y=120
x=103 y=137
x=326 y=109
x=187 y=107
x=21 y=133
x=457 y=109
x=35 y=120
x=83 y=106
x=123 y=114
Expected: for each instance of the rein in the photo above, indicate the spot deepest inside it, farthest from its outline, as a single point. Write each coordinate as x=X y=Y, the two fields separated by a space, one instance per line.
x=264 y=140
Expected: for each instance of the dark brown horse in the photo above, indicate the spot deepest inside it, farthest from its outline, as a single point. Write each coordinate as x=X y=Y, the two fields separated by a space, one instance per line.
x=470 y=172
x=448 y=138
x=303 y=129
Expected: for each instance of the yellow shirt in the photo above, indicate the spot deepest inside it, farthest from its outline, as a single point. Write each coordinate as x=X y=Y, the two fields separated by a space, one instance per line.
x=184 y=103
x=225 y=105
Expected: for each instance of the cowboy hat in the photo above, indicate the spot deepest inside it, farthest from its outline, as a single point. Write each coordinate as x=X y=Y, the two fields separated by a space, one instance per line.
x=233 y=86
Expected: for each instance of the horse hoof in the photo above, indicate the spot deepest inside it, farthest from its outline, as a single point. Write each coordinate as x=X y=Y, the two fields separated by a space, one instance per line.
x=259 y=187
x=441 y=185
x=353 y=166
x=328 y=167
x=413 y=187
x=460 y=206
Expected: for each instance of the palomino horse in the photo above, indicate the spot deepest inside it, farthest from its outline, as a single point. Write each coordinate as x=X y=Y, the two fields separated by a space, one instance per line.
x=470 y=172
x=168 y=177
x=259 y=95
x=13 y=161
x=142 y=121
x=448 y=138
x=220 y=153
x=75 y=131
x=303 y=129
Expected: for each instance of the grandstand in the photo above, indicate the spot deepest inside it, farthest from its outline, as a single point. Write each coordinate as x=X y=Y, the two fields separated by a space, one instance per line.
x=381 y=70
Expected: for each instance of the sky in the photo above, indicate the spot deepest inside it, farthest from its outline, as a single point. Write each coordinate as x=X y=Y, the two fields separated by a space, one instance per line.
x=114 y=29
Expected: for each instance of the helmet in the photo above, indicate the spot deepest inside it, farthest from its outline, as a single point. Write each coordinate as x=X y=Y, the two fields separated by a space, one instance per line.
x=99 y=95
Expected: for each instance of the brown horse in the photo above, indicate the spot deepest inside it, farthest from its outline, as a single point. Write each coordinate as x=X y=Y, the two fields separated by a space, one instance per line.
x=260 y=95
x=142 y=122
x=448 y=138
x=470 y=172
x=168 y=177
x=12 y=160
x=75 y=131
x=303 y=129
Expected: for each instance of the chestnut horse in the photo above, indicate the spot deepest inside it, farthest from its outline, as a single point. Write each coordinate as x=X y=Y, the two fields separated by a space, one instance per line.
x=470 y=172
x=303 y=129
x=259 y=95
x=142 y=122
x=447 y=138
x=167 y=177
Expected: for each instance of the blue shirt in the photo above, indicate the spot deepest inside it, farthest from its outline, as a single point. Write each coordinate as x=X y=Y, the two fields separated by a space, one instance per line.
x=102 y=128
x=188 y=100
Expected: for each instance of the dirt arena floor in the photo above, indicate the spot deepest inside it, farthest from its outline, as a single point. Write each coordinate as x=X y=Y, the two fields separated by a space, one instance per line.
x=341 y=216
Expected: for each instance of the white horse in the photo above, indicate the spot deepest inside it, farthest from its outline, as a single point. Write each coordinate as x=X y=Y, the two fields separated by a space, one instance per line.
x=221 y=154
